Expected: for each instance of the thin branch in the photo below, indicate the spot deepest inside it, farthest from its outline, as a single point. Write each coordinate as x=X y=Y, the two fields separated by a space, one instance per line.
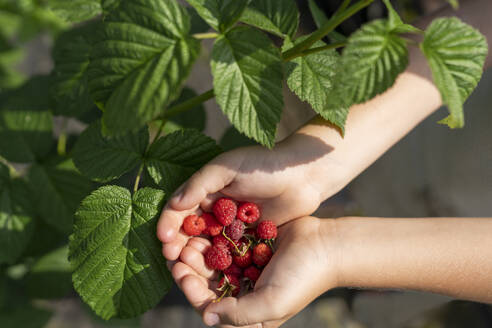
x=201 y=36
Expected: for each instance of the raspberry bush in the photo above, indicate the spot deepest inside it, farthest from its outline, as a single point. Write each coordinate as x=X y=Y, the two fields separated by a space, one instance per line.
x=121 y=68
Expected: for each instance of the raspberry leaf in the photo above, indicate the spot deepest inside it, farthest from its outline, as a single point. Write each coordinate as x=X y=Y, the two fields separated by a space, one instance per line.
x=456 y=54
x=142 y=56
x=220 y=14
x=454 y=3
x=75 y=11
x=57 y=191
x=311 y=78
x=25 y=134
x=25 y=315
x=375 y=55
x=69 y=77
x=118 y=268
x=280 y=17
x=172 y=159
x=16 y=223
x=247 y=71
x=50 y=276
x=106 y=158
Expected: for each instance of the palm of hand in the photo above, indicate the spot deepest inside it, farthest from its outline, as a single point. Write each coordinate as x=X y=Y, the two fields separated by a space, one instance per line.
x=299 y=271
x=246 y=174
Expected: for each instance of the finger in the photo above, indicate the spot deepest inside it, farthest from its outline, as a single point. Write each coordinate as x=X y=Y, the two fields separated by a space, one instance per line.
x=195 y=260
x=257 y=307
x=181 y=270
x=170 y=222
x=208 y=180
x=172 y=249
x=207 y=203
x=199 y=243
x=198 y=294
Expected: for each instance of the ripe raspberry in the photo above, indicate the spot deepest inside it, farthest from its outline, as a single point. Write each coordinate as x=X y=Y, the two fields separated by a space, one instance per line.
x=262 y=254
x=234 y=270
x=266 y=230
x=252 y=273
x=218 y=258
x=225 y=210
x=235 y=230
x=248 y=212
x=230 y=285
x=193 y=225
x=221 y=241
x=213 y=227
x=243 y=260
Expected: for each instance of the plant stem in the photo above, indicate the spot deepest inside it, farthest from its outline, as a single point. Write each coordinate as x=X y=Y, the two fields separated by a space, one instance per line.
x=211 y=35
x=318 y=49
x=61 y=147
x=342 y=7
x=137 y=180
x=159 y=132
x=185 y=105
x=329 y=26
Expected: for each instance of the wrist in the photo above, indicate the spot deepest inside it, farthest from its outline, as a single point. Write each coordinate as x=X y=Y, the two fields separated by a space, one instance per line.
x=313 y=146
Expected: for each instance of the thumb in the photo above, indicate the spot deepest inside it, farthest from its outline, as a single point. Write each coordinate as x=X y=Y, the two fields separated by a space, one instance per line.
x=208 y=180
x=250 y=309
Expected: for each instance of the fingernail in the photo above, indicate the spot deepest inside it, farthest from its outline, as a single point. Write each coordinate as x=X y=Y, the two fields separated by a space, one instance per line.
x=211 y=319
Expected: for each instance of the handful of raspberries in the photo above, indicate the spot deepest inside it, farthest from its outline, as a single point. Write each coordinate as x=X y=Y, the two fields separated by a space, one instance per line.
x=239 y=250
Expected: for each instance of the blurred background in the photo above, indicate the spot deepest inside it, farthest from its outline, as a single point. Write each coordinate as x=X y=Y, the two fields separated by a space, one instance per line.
x=432 y=172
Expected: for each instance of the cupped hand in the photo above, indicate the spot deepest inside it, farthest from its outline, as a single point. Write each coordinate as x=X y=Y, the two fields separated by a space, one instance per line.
x=302 y=268
x=284 y=182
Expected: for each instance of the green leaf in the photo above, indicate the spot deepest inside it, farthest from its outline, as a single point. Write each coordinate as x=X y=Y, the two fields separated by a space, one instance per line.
x=232 y=139
x=25 y=317
x=371 y=62
x=395 y=23
x=142 y=58
x=106 y=158
x=194 y=118
x=43 y=240
x=118 y=267
x=16 y=224
x=312 y=77
x=25 y=135
x=109 y=5
x=280 y=17
x=50 y=275
x=32 y=95
x=71 y=55
x=220 y=14
x=75 y=11
x=198 y=25
x=247 y=71
x=320 y=19
x=57 y=192
x=456 y=54
x=172 y=159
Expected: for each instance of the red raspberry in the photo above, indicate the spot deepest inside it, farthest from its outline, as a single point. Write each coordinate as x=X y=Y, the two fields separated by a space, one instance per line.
x=229 y=285
x=221 y=241
x=252 y=273
x=218 y=258
x=234 y=270
x=193 y=225
x=213 y=227
x=235 y=230
x=262 y=254
x=225 y=210
x=266 y=230
x=243 y=260
x=248 y=212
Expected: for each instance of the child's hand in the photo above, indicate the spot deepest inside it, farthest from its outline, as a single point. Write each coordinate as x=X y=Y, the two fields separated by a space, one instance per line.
x=285 y=182
x=302 y=268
